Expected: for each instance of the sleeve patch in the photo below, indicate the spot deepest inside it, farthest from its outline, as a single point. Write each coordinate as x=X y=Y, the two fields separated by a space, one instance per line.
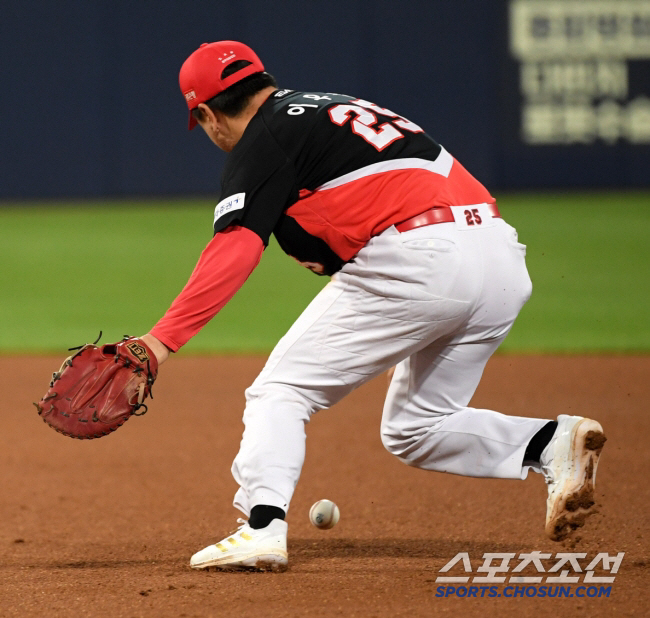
x=233 y=202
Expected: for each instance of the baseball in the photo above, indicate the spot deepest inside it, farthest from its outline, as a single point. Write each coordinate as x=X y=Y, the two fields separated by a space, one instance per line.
x=324 y=514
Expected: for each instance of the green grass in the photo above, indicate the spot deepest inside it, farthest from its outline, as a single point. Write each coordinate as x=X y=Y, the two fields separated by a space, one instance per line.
x=71 y=269
x=589 y=259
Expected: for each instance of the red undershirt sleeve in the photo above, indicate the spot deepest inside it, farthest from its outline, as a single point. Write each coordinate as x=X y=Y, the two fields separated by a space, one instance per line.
x=225 y=264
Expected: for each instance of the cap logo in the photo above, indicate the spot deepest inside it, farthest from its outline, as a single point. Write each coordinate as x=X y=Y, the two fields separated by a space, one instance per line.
x=189 y=95
x=227 y=56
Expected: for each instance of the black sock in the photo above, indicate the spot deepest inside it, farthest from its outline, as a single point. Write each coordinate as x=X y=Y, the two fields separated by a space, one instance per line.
x=538 y=443
x=262 y=515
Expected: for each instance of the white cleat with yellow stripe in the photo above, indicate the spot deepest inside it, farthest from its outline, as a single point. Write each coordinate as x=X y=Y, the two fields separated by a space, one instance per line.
x=263 y=550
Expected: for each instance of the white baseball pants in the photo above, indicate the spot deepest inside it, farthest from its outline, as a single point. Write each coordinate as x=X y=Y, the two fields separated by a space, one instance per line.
x=436 y=301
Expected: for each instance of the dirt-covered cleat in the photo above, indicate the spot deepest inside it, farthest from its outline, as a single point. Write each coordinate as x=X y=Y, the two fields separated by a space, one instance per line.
x=569 y=464
x=264 y=549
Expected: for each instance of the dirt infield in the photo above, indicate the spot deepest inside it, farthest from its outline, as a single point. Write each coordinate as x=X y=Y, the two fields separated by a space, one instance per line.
x=106 y=527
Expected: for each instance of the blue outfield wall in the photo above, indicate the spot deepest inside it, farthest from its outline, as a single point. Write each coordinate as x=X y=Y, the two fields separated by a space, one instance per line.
x=91 y=105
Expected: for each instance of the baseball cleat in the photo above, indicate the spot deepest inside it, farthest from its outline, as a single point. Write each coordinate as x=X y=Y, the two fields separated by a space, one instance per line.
x=264 y=549
x=569 y=464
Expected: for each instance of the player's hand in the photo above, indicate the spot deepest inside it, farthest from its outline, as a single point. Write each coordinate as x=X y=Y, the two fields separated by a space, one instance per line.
x=157 y=347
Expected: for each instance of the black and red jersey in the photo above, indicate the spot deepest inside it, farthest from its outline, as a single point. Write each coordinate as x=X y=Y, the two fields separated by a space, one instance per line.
x=325 y=172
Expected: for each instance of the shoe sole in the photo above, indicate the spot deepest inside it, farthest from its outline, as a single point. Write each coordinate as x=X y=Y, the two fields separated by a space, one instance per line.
x=576 y=502
x=276 y=562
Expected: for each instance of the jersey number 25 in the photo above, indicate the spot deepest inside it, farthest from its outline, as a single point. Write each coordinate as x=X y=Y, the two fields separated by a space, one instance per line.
x=363 y=119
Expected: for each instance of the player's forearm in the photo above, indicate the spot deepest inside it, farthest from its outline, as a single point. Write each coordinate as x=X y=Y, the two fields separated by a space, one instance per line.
x=225 y=264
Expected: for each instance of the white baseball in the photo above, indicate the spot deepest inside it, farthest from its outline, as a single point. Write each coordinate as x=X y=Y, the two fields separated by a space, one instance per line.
x=324 y=514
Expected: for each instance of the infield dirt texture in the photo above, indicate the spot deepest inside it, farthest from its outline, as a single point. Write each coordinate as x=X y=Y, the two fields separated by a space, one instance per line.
x=106 y=527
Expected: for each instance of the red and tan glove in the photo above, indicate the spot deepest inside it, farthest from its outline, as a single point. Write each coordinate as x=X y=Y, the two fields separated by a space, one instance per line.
x=97 y=389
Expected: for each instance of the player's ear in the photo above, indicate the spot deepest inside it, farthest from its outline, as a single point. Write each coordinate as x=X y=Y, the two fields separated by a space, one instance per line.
x=219 y=121
x=215 y=120
x=205 y=115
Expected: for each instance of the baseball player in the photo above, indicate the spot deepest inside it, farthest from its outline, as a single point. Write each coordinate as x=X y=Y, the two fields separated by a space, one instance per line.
x=425 y=275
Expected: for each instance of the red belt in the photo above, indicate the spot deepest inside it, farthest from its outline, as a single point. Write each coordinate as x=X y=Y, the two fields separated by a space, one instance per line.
x=436 y=215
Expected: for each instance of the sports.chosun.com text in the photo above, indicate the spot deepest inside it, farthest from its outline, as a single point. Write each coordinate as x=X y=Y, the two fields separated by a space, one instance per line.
x=523 y=591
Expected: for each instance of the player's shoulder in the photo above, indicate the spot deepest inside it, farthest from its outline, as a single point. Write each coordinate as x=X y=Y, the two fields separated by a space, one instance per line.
x=297 y=102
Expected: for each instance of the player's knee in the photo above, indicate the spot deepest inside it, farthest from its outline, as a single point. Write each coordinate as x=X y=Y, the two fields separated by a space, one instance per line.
x=395 y=442
x=411 y=450
x=411 y=444
x=277 y=396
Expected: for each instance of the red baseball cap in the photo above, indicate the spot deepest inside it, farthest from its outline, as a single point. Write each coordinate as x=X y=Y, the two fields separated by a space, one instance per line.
x=201 y=78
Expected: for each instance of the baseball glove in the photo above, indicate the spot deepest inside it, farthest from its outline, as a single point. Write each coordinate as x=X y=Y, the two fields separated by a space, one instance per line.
x=97 y=389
